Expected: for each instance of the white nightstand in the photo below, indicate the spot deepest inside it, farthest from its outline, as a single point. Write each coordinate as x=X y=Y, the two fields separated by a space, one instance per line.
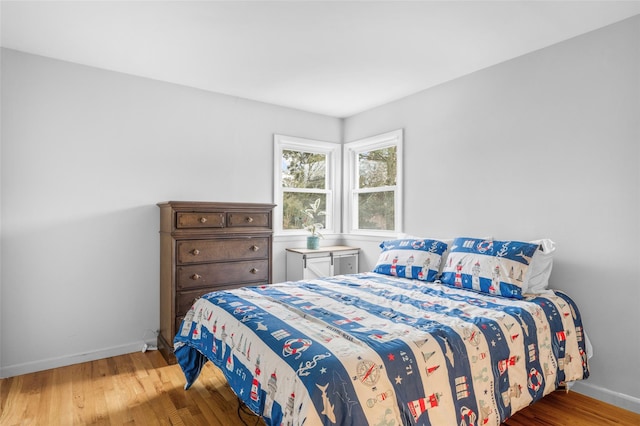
x=305 y=263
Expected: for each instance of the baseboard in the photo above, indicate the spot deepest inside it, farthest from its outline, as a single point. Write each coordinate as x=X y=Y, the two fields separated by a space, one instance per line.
x=621 y=400
x=46 y=364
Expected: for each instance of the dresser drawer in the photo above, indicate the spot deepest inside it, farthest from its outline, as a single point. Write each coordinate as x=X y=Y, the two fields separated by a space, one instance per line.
x=200 y=220
x=199 y=251
x=248 y=219
x=178 y=325
x=185 y=299
x=220 y=274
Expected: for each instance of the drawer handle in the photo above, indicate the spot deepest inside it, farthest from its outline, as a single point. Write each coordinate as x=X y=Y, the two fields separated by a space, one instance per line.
x=203 y=220
x=249 y=219
x=196 y=277
x=195 y=252
x=255 y=248
x=253 y=271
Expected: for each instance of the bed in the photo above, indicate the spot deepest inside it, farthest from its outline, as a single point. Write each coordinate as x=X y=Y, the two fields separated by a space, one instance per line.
x=431 y=336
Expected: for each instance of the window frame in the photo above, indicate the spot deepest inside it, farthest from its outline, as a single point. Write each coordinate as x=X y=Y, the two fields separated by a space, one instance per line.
x=333 y=152
x=351 y=151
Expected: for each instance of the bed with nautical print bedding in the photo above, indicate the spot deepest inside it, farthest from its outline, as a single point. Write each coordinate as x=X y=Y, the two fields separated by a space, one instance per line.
x=383 y=350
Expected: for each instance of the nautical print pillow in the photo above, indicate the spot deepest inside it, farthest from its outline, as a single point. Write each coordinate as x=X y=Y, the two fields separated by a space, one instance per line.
x=417 y=259
x=494 y=267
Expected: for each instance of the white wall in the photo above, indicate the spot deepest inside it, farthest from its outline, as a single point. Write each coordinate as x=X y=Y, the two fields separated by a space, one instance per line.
x=86 y=155
x=546 y=145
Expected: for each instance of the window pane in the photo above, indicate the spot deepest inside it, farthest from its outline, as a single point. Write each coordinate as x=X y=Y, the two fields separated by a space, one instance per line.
x=294 y=205
x=376 y=210
x=303 y=169
x=377 y=168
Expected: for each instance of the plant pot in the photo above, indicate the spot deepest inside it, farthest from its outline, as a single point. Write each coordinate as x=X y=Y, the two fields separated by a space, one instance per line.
x=313 y=242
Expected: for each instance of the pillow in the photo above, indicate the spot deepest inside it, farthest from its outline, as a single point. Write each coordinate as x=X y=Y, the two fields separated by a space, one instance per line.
x=447 y=241
x=490 y=266
x=411 y=258
x=403 y=236
x=540 y=267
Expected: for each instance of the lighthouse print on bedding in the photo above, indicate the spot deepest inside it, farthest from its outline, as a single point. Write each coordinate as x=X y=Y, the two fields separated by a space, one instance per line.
x=489 y=266
x=381 y=350
x=418 y=259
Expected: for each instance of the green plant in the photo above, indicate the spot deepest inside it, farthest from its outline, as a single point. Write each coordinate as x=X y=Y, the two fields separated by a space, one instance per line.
x=311 y=221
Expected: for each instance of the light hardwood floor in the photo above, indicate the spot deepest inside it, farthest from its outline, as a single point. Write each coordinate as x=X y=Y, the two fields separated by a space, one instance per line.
x=141 y=389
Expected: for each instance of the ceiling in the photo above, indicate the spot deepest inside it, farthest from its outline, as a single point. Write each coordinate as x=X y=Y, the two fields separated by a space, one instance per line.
x=330 y=57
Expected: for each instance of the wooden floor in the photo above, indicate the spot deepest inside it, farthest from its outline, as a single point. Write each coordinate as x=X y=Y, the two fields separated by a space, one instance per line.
x=141 y=389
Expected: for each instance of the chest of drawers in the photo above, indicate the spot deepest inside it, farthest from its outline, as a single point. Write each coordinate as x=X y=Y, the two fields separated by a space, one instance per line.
x=208 y=246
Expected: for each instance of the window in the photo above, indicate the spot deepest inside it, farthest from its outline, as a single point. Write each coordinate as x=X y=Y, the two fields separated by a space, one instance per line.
x=373 y=184
x=305 y=171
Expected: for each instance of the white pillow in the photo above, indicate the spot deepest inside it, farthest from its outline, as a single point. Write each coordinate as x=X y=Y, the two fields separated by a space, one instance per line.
x=540 y=267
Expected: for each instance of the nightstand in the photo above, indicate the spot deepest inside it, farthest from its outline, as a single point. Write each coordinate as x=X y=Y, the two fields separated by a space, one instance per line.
x=305 y=263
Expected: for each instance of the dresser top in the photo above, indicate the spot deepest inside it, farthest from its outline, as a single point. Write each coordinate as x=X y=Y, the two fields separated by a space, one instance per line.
x=214 y=204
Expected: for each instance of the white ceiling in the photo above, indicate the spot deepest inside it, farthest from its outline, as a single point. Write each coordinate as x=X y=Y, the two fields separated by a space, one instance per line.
x=331 y=57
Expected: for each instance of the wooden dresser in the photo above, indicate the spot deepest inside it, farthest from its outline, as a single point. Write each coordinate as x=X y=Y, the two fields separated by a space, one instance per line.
x=208 y=246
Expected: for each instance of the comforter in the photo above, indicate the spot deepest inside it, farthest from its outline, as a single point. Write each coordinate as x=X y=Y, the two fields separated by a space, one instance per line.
x=379 y=350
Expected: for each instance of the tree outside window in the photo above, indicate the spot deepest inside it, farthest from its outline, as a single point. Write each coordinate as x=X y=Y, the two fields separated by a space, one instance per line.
x=373 y=167
x=377 y=172
x=303 y=176
x=305 y=171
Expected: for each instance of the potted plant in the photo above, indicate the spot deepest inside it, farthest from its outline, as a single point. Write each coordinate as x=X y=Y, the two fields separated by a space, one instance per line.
x=312 y=224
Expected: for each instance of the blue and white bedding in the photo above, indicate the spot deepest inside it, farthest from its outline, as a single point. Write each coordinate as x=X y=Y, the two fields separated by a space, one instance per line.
x=379 y=350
